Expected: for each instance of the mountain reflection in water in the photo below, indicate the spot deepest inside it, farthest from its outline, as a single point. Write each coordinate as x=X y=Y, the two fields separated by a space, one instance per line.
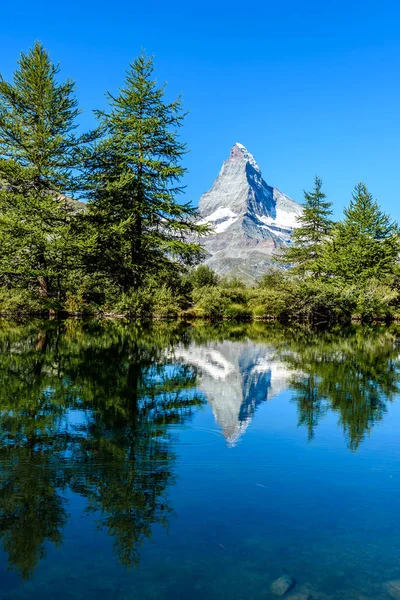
x=236 y=377
x=94 y=409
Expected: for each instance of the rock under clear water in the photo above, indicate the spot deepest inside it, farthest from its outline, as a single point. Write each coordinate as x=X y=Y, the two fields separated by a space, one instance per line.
x=283 y=584
x=393 y=588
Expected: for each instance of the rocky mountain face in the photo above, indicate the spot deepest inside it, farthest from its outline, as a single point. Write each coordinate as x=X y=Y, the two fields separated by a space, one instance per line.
x=236 y=377
x=250 y=219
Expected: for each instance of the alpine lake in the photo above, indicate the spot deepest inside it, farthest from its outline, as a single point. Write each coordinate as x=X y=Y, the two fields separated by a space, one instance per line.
x=189 y=461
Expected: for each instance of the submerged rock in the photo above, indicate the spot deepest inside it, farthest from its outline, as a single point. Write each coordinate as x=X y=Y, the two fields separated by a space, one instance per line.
x=393 y=588
x=299 y=596
x=283 y=584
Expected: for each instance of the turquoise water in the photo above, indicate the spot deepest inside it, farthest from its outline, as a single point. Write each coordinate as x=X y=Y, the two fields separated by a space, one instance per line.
x=190 y=461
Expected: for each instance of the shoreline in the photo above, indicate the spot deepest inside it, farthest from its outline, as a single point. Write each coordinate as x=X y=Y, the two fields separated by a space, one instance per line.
x=188 y=318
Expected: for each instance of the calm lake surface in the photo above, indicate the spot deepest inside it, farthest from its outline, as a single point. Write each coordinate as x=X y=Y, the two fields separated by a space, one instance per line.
x=189 y=461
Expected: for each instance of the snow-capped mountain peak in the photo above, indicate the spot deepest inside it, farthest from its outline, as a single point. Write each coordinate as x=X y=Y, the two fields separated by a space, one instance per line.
x=250 y=220
x=238 y=151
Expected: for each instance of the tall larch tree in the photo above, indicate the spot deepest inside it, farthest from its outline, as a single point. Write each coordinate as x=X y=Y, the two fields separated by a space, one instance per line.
x=308 y=238
x=134 y=180
x=38 y=151
x=365 y=244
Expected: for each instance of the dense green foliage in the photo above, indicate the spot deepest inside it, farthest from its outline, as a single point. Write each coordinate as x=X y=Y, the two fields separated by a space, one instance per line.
x=132 y=248
x=132 y=236
x=341 y=269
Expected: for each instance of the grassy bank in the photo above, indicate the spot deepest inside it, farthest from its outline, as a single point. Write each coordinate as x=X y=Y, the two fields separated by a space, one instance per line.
x=279 y=296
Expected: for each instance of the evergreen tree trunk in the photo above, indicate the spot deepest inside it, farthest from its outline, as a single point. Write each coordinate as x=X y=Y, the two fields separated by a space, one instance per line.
x=136 y=250
x=43 y=286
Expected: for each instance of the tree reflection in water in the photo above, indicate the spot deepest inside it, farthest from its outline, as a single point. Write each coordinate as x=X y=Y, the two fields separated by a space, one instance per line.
x=86 y=407
x=90 y=408
x=354 y=373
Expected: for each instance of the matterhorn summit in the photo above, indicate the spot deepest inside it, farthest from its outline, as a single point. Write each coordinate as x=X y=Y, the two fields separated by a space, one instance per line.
x=250 y=220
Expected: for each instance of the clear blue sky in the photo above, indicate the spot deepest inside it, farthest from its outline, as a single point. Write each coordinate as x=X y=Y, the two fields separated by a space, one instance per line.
x=310 y=87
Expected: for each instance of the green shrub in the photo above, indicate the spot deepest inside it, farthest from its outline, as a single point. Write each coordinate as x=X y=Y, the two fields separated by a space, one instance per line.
x=203 y=276
x=311 y=301
x=148 y=302
x=273 y=278
x=211 y=302
x=235 y=290
x=259 y=311
x=375 y=300
x=318 y=302
x=238 y=312
x=77 y=303
x=20 y=301
x=166 y=304
x=269 y=303
x=135 y=304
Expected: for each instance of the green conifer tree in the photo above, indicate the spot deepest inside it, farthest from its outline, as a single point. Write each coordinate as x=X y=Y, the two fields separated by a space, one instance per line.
x=365 y=244
x=133 y=180
x=314 y=226
x=38 y=150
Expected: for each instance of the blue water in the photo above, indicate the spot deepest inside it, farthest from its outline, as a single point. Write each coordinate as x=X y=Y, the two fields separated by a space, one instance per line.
x=198 y=462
